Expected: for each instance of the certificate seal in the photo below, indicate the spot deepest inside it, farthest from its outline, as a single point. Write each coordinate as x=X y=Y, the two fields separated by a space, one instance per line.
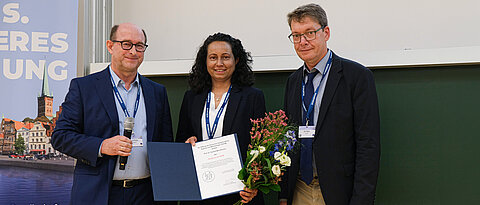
x=208 y=176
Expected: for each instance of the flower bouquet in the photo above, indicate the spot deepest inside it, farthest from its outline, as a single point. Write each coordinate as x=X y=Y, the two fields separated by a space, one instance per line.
x=267 y=158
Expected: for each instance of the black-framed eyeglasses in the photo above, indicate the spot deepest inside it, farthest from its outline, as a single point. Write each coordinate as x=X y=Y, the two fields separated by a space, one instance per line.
x=127 y=45
x=309 y=35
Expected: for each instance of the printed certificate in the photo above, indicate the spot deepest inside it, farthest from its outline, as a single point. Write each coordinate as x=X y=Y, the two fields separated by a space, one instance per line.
x=217 y=162
x=182 y=172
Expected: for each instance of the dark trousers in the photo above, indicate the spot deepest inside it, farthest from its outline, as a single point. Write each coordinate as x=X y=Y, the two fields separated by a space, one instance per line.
x=141 y=194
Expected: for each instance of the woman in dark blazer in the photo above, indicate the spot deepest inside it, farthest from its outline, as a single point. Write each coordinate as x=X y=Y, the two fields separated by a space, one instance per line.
x=220 y=82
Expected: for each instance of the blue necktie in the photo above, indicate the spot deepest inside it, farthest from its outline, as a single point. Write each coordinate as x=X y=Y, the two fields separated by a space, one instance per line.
x=306 y=169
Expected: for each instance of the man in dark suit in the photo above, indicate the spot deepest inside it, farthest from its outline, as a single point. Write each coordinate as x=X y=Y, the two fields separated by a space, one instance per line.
x=334 y=102
x=91 y=125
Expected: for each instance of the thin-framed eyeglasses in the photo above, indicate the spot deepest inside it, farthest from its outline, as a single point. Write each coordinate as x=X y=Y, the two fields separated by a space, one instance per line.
x=309 y=35
x=127 y=45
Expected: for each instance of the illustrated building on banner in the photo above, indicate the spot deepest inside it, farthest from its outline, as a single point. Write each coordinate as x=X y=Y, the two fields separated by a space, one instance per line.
x=45 y=99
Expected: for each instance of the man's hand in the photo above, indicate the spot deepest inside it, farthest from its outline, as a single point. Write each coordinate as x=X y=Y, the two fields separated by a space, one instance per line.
x=191 y=140
x=117 y=145
x=248 y=194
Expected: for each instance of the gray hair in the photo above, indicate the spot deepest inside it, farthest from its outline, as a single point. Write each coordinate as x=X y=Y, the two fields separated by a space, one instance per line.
x=312 y=10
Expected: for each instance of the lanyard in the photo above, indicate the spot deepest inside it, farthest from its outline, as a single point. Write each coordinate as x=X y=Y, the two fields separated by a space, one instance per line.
x=314 y=98
x=122 y=103
x=211 y=132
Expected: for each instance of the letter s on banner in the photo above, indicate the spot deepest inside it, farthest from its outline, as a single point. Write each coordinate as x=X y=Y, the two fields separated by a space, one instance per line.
x=11 y=15
x=57 y=40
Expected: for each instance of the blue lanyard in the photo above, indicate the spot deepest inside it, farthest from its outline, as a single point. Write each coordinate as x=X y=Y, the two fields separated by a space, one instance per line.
x=211 y=132
x=314 y=98
x=122 y=103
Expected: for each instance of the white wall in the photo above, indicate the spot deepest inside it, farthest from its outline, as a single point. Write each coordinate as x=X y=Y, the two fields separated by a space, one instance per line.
x=377 y=33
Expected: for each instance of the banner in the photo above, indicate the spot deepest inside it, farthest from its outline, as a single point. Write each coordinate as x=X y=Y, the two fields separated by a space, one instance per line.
x=38 y=38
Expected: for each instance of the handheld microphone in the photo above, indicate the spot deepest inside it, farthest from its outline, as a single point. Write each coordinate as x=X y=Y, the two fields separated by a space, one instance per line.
x=127 y=132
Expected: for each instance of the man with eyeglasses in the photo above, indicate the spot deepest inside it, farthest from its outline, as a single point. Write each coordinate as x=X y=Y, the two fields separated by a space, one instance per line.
x=334 y=102
x=97 y=110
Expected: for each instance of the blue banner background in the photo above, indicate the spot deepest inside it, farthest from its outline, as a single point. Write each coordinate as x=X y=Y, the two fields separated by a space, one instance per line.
x=53 y=18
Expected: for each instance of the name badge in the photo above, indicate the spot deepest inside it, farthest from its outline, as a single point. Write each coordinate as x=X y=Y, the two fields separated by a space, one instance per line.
x=137 y=141
x=306 y=131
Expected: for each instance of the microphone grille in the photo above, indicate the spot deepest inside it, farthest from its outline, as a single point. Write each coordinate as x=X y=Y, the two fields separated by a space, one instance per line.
x=129 y=122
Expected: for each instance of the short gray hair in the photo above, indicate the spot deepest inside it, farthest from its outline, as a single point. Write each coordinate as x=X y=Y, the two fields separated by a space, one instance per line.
x=312 y=10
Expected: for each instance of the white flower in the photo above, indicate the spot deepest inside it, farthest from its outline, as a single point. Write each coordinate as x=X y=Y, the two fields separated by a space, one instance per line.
x=276 y=170
x=262 y=149
x=285 y=160
x=255 y=155
x=277 y=155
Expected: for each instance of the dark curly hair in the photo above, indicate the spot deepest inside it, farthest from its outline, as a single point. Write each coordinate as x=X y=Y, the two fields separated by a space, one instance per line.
x=199 y=79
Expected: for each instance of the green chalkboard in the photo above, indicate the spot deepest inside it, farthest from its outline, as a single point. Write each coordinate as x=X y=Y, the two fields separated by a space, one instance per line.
x=430 y=142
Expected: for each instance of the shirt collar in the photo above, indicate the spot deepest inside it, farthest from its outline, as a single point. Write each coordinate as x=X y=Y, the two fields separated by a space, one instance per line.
x=119 y=81
x=320 y=65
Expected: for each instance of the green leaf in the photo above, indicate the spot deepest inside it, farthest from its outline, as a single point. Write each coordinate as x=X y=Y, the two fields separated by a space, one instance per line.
x=249 y=180
x=242 y=174
x=265 y=178
x=249 y=157
x=268 y=163
x=263 y=189
x=275 y=187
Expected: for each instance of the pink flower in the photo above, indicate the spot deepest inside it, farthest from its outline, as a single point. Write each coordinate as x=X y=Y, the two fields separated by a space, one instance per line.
x=270 y=132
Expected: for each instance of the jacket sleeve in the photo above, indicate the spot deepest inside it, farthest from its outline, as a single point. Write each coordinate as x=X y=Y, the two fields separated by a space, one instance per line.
x=259 y=105
x=367 y=138
x=184 y=129
x=283 y=195
x=166 y=132
x=68 y=136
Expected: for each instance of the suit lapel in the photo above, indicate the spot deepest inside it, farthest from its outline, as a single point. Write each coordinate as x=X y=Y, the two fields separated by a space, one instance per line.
x=297 y=96
x=148 y=93
x=105 y=94
x=232 y=107
x=197 y=112
x=332 y=82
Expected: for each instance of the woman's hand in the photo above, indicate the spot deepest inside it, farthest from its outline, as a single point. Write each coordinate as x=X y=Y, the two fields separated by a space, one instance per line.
x=248 y=194
x=191 y=140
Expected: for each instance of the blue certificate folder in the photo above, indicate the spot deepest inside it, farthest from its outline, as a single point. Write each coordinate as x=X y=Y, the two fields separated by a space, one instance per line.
x=173 y=171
